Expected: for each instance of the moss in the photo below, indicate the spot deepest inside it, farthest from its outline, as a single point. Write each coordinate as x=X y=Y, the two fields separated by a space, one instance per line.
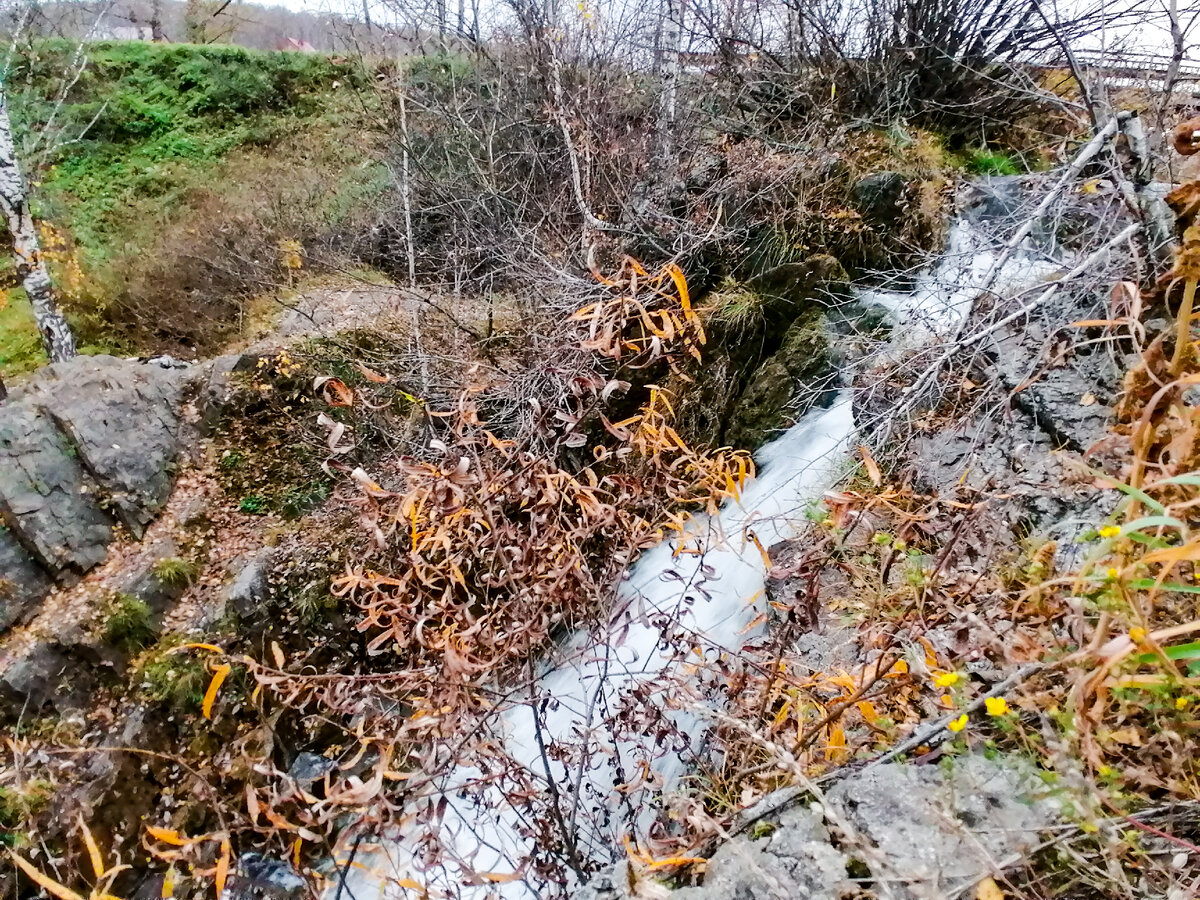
x=767 y=403
x=18 y=806
x=129 y=622
x=983 y=161
x=176 y=679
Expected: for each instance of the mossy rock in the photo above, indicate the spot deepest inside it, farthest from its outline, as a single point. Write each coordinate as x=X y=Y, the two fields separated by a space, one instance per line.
x=767 y=404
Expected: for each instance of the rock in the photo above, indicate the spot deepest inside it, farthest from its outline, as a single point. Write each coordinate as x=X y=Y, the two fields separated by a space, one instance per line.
x=23 y=583
x=151 y=584
x=307 y=768
x=795 y=861
x=791 y=289
x=765 y=405
x=46 y=497
x=934 y=832
x=882 y=197
x=922 y=831
x=258 y=877
x=80 y=441
x=123 y=421
x=250 y=588
x=34 y=678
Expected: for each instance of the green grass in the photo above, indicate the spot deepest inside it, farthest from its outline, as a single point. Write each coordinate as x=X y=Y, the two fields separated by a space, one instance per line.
x=129 y=623
x=20 y=344
x=177 y=163
x=983 y=161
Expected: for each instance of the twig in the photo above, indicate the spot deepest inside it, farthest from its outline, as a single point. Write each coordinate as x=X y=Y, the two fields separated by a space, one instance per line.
x=936 y=731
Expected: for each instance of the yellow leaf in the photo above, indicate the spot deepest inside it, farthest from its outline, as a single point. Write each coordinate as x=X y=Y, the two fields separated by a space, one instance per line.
x=410 y=884
x=93 y=851
x=219 y=675
x=222 y=867
x=168 y=887
x=48 y=884
x=277 y=652
x=988 y=890
x=211 y=648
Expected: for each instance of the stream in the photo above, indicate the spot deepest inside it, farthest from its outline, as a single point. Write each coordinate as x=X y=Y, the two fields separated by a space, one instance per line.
x=715 y=596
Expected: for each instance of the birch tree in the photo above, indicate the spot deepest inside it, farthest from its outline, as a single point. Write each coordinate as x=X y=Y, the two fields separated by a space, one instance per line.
x=27 y=256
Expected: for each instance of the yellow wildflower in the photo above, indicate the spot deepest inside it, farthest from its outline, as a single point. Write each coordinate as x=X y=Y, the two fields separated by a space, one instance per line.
x=1137 y=635
x=996 y=706
x=1113 y=573
x=1110 y=531
x=1181 y=702
x=957 y=725
x=946 y=679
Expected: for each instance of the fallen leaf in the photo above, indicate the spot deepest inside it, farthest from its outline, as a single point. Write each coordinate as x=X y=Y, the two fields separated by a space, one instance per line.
x=988 y=890
x=1088 y=399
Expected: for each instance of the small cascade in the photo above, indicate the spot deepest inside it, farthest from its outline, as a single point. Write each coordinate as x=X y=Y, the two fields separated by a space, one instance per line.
x=715 y=595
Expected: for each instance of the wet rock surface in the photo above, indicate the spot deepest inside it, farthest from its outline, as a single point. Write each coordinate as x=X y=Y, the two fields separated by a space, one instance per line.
x=920 y=831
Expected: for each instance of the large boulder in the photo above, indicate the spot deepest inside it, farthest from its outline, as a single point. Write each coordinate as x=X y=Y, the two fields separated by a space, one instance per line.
x=122 y=419
x=85 y=445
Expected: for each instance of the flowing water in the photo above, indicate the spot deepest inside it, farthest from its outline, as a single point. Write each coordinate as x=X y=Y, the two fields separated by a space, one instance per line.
x=716 y=596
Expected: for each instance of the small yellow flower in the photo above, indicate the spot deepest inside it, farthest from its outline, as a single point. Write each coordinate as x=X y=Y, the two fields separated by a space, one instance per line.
x=1110 y=531
x=1181 y=702
x=1106 y=772
x=946 y=679
x=996 y=706
x=1113 y=573
x=957 y=725
x=1137 y=635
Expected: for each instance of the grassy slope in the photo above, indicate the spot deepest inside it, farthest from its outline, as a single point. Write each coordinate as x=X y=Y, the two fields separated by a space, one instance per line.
x=177 y=141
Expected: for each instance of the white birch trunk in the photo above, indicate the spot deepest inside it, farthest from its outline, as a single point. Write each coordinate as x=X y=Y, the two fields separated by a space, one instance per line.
x=672 y=46
x=27 y=256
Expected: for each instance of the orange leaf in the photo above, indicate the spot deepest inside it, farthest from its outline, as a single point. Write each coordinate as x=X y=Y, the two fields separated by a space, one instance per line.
x=223 y=867
x=219 y=675
x=93 y=851
x=167 y=836
x=872 y=467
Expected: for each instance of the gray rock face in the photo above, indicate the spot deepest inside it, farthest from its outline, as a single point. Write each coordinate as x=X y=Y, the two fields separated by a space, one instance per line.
x=22 y=581
x=881 y=197
x=83 y=445
x=934 y=832
x=123 y=420
x=922 y=831
x=46 y=498
x=250 y=588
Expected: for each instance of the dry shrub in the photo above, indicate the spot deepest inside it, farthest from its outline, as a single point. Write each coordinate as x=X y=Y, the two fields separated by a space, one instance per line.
x=496 y=545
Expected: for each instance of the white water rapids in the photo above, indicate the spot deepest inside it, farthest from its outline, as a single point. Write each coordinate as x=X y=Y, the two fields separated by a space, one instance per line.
x=716 y=596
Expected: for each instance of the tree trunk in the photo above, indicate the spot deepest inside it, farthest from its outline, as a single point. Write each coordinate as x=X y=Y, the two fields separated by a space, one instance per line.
x=672 y=41
x=27 y=256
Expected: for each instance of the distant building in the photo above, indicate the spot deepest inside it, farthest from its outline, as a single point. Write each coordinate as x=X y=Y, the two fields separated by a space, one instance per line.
x=297 y=44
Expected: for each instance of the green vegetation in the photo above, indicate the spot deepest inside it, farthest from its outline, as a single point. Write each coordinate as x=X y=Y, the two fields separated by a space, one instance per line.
x=20 y=344
x=175 y=571
x=175 y=172
x=18 y=805
x=175 y=679
x=129 y=622
x=983 y=161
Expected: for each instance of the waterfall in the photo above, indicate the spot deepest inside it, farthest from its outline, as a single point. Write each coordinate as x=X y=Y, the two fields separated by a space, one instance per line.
x=716 y=595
